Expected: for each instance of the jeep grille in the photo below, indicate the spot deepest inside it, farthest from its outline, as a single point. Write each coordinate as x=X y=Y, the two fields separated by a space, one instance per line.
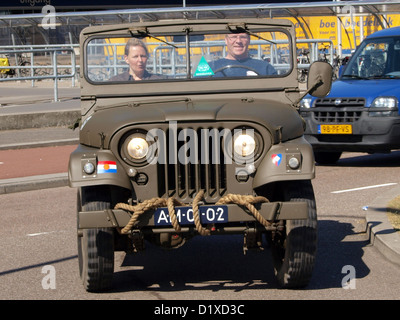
x=183 y=181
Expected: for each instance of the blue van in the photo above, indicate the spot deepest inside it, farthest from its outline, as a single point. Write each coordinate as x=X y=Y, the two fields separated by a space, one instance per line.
x=361 y=113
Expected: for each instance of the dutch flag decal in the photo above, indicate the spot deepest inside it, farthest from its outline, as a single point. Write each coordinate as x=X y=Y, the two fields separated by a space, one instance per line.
x=276 y=159
x=106 y=167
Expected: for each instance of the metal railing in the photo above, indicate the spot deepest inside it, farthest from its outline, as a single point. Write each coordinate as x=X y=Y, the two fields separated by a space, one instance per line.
x=315 y=51
x=27 y=60
x=23 y=64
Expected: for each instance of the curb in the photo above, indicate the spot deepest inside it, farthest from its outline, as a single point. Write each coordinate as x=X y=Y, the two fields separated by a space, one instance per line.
x=382 y=235
x=50 y=143
x=39 y=119
x=33 y=183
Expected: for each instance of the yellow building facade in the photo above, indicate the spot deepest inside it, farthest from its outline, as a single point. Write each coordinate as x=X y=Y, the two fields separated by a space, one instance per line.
x=351 y=32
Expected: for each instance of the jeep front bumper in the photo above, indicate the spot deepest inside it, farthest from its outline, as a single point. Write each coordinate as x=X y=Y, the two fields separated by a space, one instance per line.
x=236 y=216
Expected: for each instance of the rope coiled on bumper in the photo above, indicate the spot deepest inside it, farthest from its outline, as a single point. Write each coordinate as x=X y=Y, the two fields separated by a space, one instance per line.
x=154 y=203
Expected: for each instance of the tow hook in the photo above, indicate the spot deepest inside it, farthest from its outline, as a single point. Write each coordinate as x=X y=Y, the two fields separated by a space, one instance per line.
x=252 y=240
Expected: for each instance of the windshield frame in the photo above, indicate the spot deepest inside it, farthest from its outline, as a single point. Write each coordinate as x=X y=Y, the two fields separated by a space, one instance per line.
x=188 y=31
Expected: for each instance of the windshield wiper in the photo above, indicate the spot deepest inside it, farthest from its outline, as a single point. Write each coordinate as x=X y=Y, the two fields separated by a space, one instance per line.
x=384 y=76
x=353 y=76
x=243 y=28
x=145 y=32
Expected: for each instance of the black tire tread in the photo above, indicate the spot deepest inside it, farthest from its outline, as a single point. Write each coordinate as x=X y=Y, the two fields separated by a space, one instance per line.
x=295 y=270
x=96 y=250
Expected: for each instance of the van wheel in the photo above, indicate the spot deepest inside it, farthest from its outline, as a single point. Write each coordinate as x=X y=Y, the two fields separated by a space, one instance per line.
x=95 y=250
x=325 y=157
x=294 y=249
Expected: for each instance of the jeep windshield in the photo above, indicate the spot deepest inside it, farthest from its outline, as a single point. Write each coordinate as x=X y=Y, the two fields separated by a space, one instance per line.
x=377 y=58
x=187 y=55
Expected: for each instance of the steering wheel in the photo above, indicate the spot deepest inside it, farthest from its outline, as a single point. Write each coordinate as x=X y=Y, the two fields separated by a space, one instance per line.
x=229 y=66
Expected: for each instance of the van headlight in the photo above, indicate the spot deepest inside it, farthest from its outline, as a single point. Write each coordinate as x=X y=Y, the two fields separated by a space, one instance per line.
x=385 y=102
x=305 y=103
x=383 y=106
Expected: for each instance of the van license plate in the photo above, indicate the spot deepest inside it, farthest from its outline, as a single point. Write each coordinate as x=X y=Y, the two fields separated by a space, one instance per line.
x=184 y=215
x=335 y=129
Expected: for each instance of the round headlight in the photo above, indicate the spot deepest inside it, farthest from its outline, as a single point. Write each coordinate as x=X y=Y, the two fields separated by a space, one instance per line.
x=88 y=168
x=137 y=148
x=244 y=145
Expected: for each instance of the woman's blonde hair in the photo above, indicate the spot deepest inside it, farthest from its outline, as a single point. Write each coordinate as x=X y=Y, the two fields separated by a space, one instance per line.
x=134 y=42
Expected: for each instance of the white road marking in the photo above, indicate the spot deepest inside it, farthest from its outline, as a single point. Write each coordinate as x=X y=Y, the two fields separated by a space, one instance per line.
x=43 y=233
x=368 y=187
x=39 y=234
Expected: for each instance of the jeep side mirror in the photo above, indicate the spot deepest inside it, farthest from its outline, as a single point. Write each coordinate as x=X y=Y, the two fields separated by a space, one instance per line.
x=319 y=79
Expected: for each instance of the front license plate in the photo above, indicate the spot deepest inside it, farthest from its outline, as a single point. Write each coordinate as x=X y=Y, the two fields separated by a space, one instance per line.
x=184 y=215
x=335 y=129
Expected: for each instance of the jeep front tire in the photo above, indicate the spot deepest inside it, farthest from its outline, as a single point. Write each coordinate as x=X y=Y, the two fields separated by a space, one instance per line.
x=294 y=250
x=95 y=248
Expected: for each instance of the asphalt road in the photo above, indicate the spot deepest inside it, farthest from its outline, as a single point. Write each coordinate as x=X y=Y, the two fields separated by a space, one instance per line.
x=38 y=237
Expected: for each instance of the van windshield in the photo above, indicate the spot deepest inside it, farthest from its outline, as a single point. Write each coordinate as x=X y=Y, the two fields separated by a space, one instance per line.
x=375 y=58
x=198 y=56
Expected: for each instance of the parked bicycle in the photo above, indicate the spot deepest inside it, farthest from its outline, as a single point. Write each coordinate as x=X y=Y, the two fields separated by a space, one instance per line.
x=303 y=58
x=5 y=62
x=21 y=61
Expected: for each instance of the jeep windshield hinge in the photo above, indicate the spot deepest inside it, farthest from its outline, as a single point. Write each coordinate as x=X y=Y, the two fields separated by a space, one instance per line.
x=143 y=31
x=237 y=27
x=86 y=98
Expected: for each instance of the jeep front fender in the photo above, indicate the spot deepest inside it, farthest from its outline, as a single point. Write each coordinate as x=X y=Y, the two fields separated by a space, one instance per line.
x=275 y=165
x=107 y=169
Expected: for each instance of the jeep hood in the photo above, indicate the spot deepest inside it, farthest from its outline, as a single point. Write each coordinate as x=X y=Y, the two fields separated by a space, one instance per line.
x=106 y=121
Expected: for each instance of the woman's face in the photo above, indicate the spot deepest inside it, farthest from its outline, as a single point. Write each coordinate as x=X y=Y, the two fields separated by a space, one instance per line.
x=137 y=60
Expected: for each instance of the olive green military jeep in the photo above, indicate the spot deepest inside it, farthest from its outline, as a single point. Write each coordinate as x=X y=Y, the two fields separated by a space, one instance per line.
x=190 y=128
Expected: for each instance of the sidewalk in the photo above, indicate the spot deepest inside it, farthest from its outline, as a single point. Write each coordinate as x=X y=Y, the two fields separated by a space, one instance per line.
x=38 y=137
x=24 y=106
x=381 y=232
x=35 y=172
x=29 y=118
